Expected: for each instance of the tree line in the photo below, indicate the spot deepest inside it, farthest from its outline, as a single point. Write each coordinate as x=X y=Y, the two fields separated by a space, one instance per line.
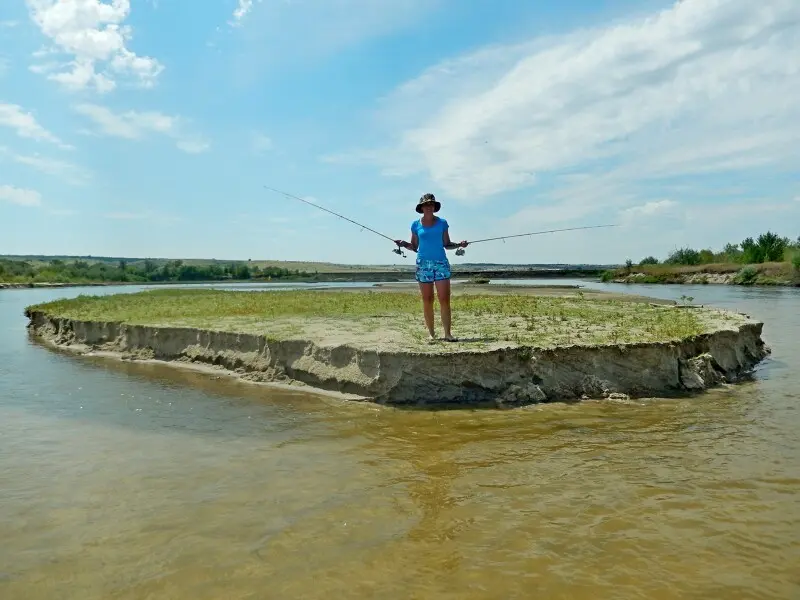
x=767 y=247
x=79 y=271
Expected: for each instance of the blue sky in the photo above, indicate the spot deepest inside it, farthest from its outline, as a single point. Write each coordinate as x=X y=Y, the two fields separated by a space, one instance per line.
x=149 y=128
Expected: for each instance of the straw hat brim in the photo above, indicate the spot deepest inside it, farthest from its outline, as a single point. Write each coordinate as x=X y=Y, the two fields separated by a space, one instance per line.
x=436 y=206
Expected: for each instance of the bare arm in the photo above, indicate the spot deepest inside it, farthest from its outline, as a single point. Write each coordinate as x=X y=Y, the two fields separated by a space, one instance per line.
x=412 y=245
x=451 y=245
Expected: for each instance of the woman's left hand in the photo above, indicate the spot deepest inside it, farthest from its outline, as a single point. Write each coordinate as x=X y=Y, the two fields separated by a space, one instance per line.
x=463 y=243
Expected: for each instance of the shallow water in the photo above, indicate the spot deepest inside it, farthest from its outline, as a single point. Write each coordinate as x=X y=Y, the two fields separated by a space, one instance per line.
x=133 y=481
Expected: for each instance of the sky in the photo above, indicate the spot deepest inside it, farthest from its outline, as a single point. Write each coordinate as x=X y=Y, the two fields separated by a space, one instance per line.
x=150 y=128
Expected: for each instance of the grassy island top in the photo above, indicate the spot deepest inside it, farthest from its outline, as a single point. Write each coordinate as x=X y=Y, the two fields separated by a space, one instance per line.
x=394 y=320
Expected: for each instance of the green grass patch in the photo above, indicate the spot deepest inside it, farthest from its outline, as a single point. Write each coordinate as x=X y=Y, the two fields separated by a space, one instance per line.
x=397 y=317
x=171 y=304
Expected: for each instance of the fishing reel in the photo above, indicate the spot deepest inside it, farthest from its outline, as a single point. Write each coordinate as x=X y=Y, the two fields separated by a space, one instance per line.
x=399 y=251
x=460 y=252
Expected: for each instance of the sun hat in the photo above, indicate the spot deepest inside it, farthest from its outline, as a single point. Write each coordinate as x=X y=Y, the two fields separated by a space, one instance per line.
x=428 y=199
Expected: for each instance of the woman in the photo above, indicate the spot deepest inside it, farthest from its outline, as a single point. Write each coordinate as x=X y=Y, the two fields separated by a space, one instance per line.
x=430 y=239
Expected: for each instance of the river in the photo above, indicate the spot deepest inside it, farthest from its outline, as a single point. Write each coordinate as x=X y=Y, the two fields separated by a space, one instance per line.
x=128 y=481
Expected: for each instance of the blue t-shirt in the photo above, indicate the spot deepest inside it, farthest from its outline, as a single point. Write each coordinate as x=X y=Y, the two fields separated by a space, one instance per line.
x=431 y=243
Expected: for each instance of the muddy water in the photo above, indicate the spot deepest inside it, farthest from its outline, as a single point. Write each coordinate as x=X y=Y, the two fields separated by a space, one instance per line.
x=124 y=481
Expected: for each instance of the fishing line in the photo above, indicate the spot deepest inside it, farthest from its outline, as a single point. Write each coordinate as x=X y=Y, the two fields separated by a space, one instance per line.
x=396 y=251
x=460 y=251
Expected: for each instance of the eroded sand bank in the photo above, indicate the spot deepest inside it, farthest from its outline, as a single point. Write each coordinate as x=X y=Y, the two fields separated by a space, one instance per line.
x=364 y=360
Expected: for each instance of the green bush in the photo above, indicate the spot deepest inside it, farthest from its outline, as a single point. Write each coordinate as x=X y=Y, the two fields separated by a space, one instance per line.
x=767 y=248
x=706 y=257
x=731 y=253
x=684 y=256
x=628 y=266
x=746 y=276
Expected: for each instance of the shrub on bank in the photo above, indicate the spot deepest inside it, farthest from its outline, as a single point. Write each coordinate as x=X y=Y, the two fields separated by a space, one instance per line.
x=684 y=256
x=746 y=276
x=796 y=268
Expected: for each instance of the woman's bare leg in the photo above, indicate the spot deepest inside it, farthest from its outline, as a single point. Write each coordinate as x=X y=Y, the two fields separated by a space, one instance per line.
x=443 y=293
x=426 y=289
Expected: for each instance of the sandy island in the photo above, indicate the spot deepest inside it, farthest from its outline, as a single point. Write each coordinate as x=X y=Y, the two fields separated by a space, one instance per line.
x=517 y=344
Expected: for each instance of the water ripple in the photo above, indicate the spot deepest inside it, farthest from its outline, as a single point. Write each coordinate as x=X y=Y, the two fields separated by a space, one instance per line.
x=127 y=482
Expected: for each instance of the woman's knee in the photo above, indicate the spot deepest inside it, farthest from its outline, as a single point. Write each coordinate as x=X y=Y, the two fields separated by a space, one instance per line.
x=427 y=294
x=443 y=291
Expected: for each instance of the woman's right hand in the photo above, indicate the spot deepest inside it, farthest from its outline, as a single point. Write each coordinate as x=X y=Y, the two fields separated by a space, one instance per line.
x=400 y=243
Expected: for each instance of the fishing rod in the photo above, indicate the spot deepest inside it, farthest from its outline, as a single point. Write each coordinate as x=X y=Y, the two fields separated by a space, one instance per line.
x=396 y=250
x=460 y=251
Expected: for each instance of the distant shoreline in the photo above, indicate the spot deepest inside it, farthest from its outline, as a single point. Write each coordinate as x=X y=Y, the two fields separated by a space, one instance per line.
x=342 y=277
x=755 y=275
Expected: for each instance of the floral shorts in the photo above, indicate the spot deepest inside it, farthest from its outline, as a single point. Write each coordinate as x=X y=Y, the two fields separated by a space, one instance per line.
x=429 y=271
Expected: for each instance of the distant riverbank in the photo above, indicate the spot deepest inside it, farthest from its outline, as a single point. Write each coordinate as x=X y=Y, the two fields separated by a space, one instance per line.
x=763 y=274
x=377 y=276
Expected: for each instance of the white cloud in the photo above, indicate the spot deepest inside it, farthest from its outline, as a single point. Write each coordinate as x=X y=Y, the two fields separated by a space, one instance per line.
x=92 y=33
x=194 y=146
x=131 y=125
x=705 y=86
x=67 y=171
x=243 y=8
x=8 y=24
x=651 y=208
x=26 y=125
x=20 y=196
x=135 y=125
x=324 y=26
x=576 y=198
x=261 y=143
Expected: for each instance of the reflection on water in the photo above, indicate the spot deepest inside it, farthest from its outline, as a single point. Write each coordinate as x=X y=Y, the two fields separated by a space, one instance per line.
x=139 y=481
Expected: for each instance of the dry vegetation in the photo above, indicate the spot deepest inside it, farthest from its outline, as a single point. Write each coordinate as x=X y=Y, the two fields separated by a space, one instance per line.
x=771 y=268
